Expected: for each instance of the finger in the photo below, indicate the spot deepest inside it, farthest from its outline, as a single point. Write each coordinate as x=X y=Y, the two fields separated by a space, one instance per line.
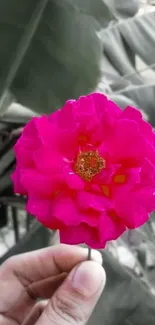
x=74 y=301
x=17 y=275
x=46 y=288
x=35 y=313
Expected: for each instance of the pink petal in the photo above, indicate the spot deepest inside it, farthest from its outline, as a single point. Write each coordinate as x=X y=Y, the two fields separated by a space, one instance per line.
x=48 y=161
x=80 y=235
x=106 y=175
x=134 y=207
x=24 y=156
x=16 y=178
x=150 y=153
x=64 y=118
x=146 y=130
x=113 y=109
x=37 y=132
x=103 y=104
x=66 y=130
x=90 y=217
x=67 y=143
x=110 y=228
x=127 y=145
x=102 y=149
x=39 y=129
x=131 y=113
x=132 y=179
x=30 y=130
x=41 y=209
x=105 y=129
x=135 y=115
x=39 y=184
x=84 y=108
x=65 y=210
x=100 y=103
x=147 y=174
x=97 y=202
x=73 y=180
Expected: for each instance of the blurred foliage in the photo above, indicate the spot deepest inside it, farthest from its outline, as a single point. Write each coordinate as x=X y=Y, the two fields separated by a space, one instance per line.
x=52 y=50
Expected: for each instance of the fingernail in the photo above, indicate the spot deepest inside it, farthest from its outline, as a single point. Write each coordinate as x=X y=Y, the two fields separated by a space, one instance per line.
x=96 y=256
x=89 y=277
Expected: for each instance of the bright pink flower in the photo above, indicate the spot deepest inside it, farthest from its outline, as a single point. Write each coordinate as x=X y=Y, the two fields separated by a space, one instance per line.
x=88 y=170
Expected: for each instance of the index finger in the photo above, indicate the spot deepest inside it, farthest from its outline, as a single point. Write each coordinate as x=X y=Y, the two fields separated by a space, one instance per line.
x=41 y=264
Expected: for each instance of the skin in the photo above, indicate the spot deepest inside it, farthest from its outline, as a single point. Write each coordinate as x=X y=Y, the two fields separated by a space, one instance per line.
x=67 y=285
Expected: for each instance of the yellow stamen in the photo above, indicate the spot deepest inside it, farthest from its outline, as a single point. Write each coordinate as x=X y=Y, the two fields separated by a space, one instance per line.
x=89 y=164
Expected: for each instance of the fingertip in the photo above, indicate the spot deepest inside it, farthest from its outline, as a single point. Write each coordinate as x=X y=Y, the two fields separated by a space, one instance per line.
x=88 y=278
x=96 y=256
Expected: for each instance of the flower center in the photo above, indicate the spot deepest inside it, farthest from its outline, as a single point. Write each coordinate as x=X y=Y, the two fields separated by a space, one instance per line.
x=89 y=164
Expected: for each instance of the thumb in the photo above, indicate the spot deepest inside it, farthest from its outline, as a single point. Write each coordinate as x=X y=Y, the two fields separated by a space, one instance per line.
x=76 y=298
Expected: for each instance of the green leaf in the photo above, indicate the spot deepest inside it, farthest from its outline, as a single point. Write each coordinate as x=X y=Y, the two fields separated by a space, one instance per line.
x=97 y=9
x=17 y=114
x=137 y=35
x=115 y=51
x=63 y=57
x=124 y=8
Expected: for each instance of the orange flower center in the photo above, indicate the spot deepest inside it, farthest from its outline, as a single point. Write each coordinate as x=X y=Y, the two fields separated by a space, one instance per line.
x=89 y=164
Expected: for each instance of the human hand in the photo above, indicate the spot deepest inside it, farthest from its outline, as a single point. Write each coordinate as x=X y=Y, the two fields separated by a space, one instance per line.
x=61 y=275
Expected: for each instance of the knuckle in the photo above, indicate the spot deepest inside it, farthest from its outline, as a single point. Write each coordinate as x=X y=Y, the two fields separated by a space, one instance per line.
x=9 y=263
x=66 y=309
x=12 y=266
